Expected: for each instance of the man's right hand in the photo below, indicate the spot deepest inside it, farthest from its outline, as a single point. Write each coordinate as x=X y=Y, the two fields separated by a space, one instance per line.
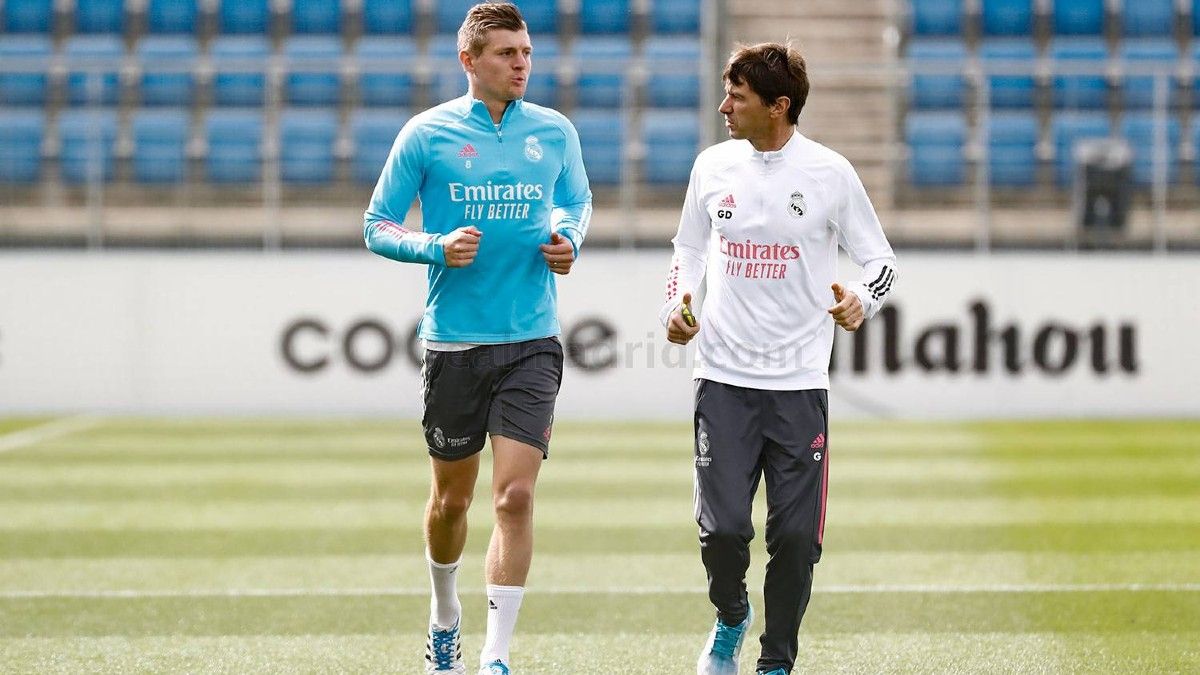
x=677 y=329
x=461 y=245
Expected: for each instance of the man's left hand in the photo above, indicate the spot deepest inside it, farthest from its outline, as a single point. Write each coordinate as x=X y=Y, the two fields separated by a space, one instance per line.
x=559 y=254
x=848 y=312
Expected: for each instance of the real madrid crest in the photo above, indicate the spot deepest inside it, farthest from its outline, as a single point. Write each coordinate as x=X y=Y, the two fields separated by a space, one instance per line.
x=797 y=207
x=533 y=151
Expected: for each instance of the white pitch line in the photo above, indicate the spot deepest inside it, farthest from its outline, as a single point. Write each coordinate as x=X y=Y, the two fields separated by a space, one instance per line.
x=58 y=428
x=564 y=590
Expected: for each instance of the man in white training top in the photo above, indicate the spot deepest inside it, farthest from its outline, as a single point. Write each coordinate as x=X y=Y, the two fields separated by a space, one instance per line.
x=762 y=221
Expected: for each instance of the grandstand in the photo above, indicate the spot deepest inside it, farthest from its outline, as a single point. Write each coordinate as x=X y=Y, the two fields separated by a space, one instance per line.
x=126 y=121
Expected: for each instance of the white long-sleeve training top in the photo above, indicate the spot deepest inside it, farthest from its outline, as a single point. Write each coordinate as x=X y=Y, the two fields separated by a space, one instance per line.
x=765 y=227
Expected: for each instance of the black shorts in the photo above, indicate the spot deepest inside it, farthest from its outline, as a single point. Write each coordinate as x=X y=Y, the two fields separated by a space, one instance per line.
x=505 y=390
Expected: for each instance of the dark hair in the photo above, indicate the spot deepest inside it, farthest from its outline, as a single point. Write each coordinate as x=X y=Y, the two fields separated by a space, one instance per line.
x=472 y=34
x=772 y=70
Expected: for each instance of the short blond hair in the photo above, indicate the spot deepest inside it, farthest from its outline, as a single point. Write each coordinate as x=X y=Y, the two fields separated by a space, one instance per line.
x=486 y=16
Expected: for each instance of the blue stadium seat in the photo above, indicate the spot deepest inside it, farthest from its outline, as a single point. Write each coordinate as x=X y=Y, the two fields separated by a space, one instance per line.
x=1139 y=128
x=673 y=65
x=540 y=15
x=1009 y=90
x=316 y=16
x=1160 y=53
x=243 y=16
x=604 y=16
x=937 y=89
x=373 y=132
x=235 y=143
x=1148 y=18
x=937 y=17
x=1007 y=17
x=935 y=148
x=381 y=17
x=448 y=15
x=544 y=86
x=24 y=61
x=1196 y=81
x=93 y=69
x=306 y=143
x=99 y=16
x=313 y=70
x=1012 y=148
x=385 y=70
x=28 y=16
x=171 y=16
x=675 y=17
x=21 y=136
x=1067 y=129
x=447 y=80
x=168 y=63
x=602 y=140
x=87 y=140
x=1079 y=17
x=160 y=139
x=602 y=63
x=239 y=63
x=1195 y=17
x=671 y=139
x=1080 y=91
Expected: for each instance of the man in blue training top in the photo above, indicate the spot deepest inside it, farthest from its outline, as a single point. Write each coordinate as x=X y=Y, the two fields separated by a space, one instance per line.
x=505 y=204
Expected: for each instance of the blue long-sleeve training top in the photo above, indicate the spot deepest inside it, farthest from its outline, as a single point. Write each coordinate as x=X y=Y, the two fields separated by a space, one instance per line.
x=517 y=182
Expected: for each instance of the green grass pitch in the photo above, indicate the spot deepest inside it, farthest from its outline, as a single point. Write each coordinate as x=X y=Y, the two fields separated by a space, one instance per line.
x=206 y=546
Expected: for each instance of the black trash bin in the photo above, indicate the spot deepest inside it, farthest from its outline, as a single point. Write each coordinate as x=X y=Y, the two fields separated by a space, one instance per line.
x=1103 y=183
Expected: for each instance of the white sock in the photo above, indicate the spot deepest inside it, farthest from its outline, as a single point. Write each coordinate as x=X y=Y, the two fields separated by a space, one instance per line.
x=444 y=608
x=503 y=604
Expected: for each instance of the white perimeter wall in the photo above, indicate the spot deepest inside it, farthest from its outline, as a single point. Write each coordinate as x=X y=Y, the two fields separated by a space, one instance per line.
x=202 y=333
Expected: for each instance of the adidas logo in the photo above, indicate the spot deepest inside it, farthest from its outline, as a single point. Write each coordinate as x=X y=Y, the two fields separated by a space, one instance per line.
x=818 y=442
x=492 y=604
x=727 y=203
x=467 y=152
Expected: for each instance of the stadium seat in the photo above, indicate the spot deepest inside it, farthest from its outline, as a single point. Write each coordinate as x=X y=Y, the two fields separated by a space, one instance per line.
x=306 y=143
x=99 y=16
x=24 y=62
x=1079 y=17
x=1148 y=18
x=1196 y=17
x=243 y=16
x=316 y=16
x=937 y=17
x=93 y=69
x=87 y=140
x=160 y=139
x=935 y=148
x=1080 y=91
x=602 y=140
x=385 y=67
x=1160 y=53
x=1008 y=89
x=602 y=64
x=167 y=63
x=447 y=80
x=313 y=70
x=1067 y=129
x=934 y=84
x=673 y=65
x=235 y=142
x=1007 y=17
x=28 y=16
x=1012 y=148
x=604 y=16
x=1196 y=80
x=540 y=15
x=382 y=17
x=671 y=139
x=21 y=136
x=171 y=16
x=1139 y=128
x=544 y=86
x=373 y=132
x=675 y=17
x=239 y=63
